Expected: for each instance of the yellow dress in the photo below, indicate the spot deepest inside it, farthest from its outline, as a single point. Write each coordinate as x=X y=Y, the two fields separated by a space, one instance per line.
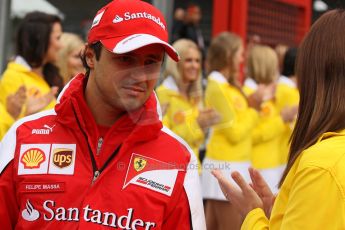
x=287 y=95
x=5 y=120
x=17 y=75
x=266 y=138
x=230 y=143
x=181 y=114
x=312 y=195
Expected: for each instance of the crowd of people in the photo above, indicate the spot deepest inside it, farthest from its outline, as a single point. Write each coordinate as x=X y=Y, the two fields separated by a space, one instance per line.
x=116 y=130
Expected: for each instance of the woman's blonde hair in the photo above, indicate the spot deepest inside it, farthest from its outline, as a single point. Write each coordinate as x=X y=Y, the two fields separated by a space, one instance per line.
x=175 y=69
x=221 y=54
x=70 y=42
x=262 y=64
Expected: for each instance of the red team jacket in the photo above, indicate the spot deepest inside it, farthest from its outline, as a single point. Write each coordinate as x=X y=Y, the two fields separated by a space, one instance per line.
x=53 y=178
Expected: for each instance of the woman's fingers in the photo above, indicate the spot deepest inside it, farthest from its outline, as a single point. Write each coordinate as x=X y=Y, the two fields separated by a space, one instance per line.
x=21 y=91
x=227 y=188
x=240 y=181
x=251 y=174
x=259 y=182
x=243 y=197
x=221 y=179
x=217 y=174
x=254 y=181
x=263 y=190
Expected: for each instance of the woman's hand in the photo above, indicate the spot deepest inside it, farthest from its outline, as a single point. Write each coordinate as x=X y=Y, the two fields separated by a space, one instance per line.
x=15 y=102
x=35 y=104
x=207 y=118
x=263 y=190
x=243 y=198
x=262 y=94
x=289 y=113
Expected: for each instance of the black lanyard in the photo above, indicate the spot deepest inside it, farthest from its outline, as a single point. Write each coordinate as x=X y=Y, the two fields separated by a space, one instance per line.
x=96 y=171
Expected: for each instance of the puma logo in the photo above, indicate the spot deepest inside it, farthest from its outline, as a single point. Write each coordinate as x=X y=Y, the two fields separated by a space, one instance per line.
x=47 y=130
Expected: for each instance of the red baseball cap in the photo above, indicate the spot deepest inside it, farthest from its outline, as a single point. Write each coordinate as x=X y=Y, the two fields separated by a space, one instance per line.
x=126 y=25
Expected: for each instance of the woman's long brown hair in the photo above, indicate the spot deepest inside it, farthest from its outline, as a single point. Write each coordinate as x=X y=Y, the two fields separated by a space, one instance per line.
x=321 y=82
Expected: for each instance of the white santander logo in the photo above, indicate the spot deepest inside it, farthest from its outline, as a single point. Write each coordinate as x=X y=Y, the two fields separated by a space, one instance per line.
x=30 y=213
x=117 y=19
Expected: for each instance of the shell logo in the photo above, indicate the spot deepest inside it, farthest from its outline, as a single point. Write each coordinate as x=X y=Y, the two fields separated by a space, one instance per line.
x=238 y=102
x=266 y=111
x=33 y=158
x=179 y=117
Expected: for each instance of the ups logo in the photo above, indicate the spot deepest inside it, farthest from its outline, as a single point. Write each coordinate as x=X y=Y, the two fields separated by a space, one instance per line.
x=62 y=157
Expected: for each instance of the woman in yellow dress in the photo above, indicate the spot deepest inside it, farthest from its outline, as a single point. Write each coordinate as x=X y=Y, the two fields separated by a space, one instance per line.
x=262 y=68
x=312 y=187
x=230 y=142
x=180 y=95
x=37 y=45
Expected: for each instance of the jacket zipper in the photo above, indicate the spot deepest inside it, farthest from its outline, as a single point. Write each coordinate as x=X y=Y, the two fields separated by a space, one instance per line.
x=95 y=176
x=96 y=172
x=99 y=145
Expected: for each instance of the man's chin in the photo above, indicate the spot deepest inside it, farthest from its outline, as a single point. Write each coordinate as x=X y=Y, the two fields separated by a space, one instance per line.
x=132 y=105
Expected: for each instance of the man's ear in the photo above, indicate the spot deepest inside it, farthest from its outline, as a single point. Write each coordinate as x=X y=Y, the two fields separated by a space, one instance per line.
x=90 y=56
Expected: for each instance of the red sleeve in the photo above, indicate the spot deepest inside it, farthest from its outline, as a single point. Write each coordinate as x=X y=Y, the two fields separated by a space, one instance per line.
x=8 y=203
x=180 y=217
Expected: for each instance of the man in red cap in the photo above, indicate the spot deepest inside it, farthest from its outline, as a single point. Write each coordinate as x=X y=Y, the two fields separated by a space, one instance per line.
x=101 y=158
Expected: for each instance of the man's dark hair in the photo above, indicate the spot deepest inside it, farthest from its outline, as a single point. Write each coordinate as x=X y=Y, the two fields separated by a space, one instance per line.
x=97 y=48
x=289 y=62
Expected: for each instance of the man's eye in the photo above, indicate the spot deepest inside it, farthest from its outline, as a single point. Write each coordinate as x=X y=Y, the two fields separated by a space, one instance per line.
x=151 y=61
x=125 y=59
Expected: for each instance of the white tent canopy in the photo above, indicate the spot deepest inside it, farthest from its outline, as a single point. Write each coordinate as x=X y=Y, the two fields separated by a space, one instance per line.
x=19 y=8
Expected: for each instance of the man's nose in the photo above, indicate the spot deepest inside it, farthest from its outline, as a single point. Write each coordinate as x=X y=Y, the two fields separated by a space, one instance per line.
x=145 y=72
x=138 y=73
